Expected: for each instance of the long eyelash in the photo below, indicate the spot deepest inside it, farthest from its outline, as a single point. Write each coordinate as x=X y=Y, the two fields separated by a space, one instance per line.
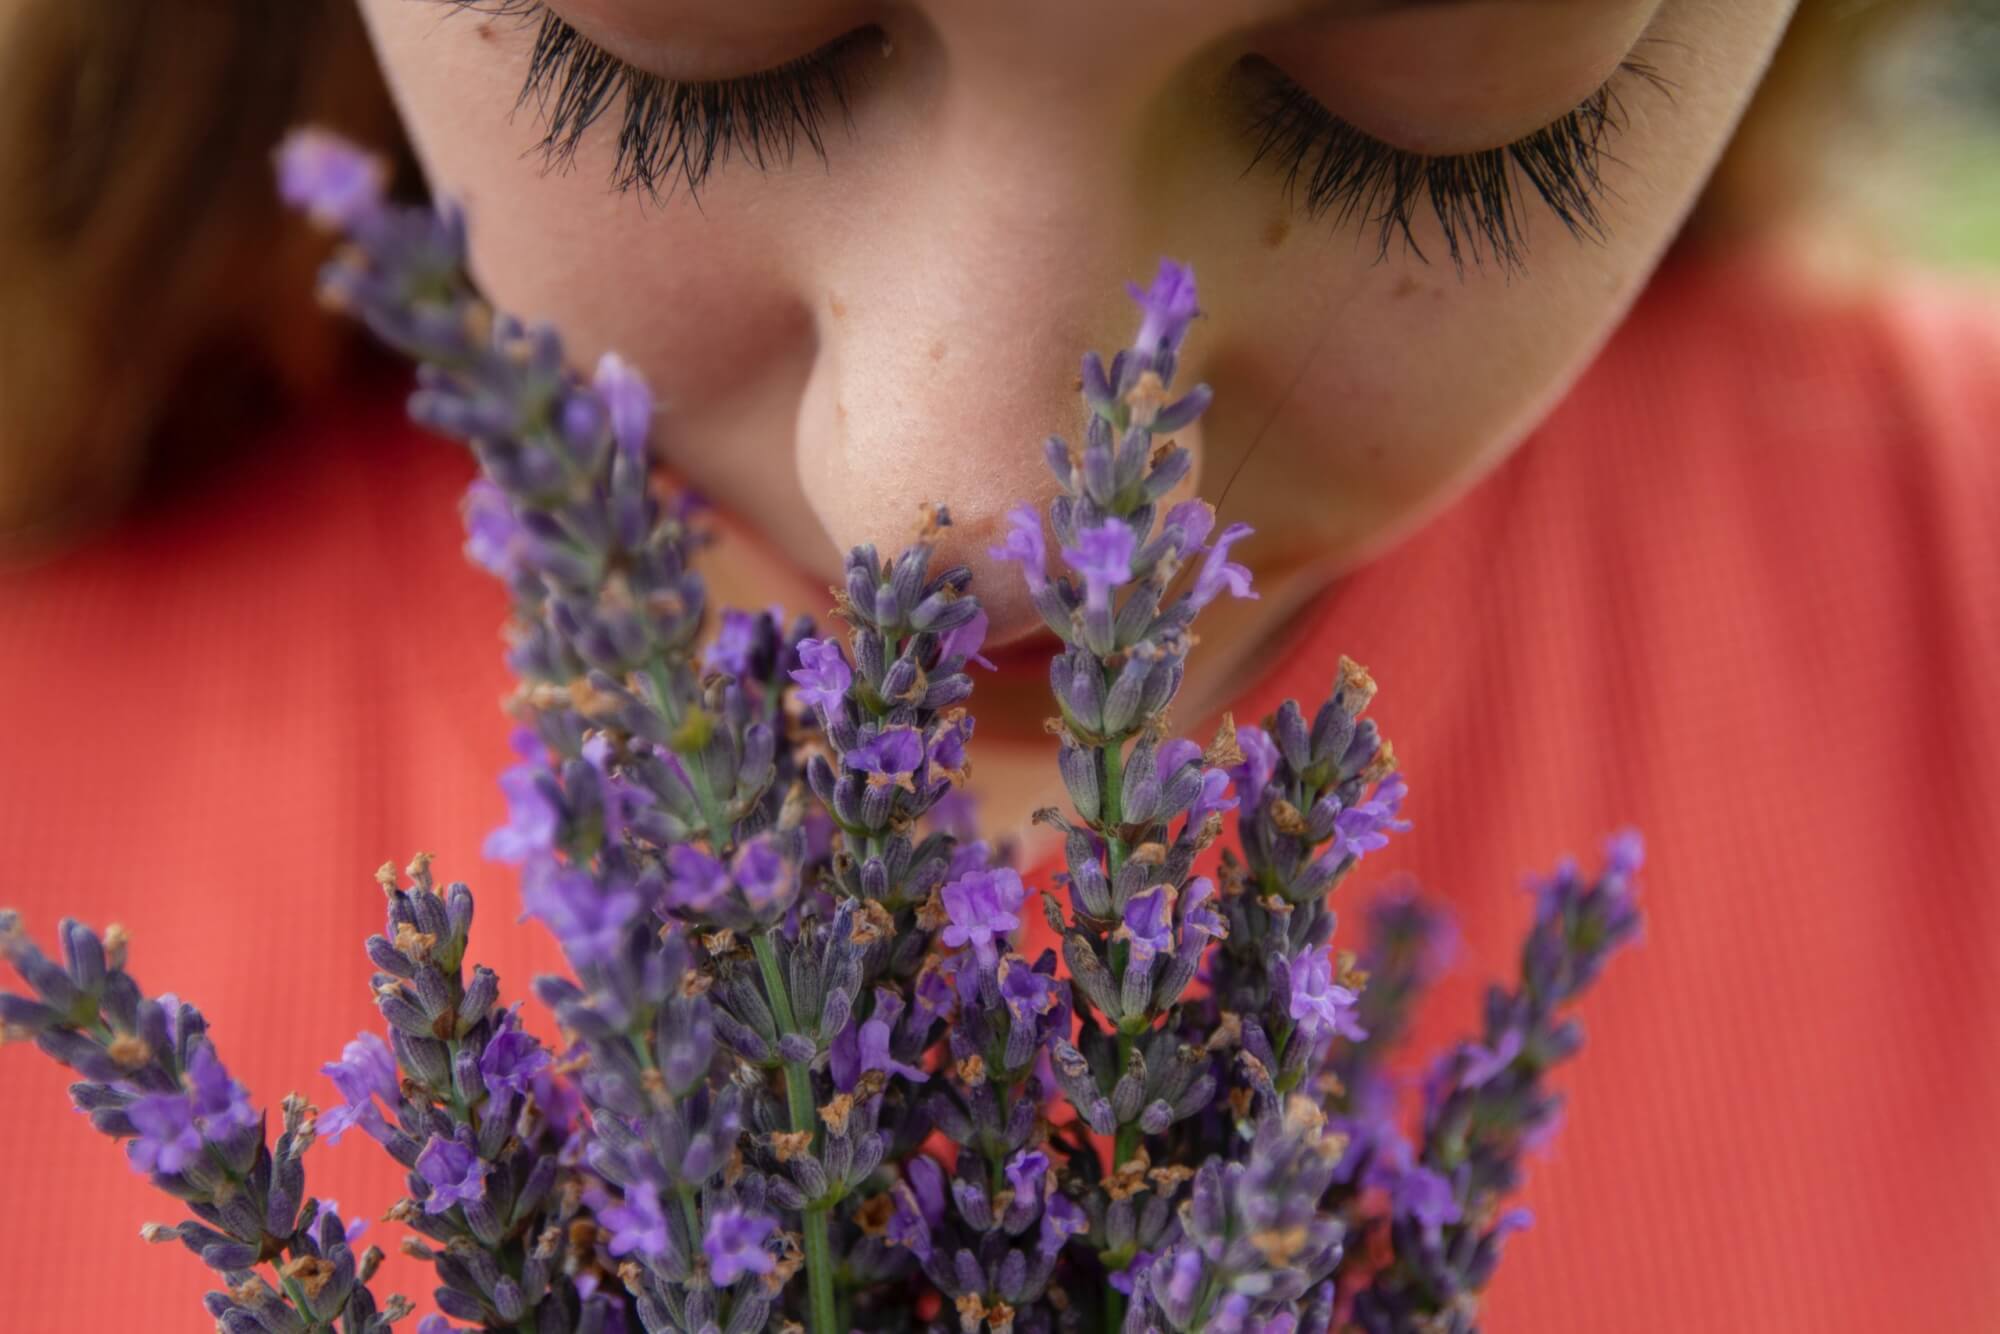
x=671 y=134
x=1477 y=197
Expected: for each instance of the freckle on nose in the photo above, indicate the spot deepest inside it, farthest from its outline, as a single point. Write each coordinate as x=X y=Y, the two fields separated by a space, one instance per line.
x=836 y=305
x=937 y=349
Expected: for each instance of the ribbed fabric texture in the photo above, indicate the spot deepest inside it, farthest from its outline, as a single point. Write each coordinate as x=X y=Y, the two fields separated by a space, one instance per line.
x=1742 y=590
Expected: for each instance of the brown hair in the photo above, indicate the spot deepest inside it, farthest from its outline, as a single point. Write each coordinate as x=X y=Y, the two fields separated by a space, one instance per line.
x=156 y=303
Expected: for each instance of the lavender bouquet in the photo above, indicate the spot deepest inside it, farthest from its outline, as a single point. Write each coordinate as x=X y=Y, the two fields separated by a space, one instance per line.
x=805 y=1076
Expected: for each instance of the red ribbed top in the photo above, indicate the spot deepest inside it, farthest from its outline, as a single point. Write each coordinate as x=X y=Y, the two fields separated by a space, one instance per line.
x=1741 y=590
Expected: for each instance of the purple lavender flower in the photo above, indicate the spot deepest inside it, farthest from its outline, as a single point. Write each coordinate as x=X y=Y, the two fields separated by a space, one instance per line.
x=864 y=1047
x=733 y=644
x=532 y=818
x=734 y=1245
x=1134 y=1269
x=695 y=880
x=1173 y=755
x=588 y=919
x=1260 y=761
x=557 y=1098
x=1103 y=557
x=1026 y=993
x=636 y=1223
x=935 y=996
x=947 y=750
x=1219 y=573
x=221 y=1105
x=1168 y=306
x=888 y=757
x=982 y=907
x=1197 y=916
x=965 y=641
x=454 y=1170
x=1320 y=1005
x=822 y=674
x=974 y=854
x=436 y=1324
x=337 y=185
x=621 y=798
x=1366 y=825
x=1191 y=521
x=1024 y=547
x=1026 y=1170
x=760 y=872
x=629 y=403
x=1425 y=1196
x=331 y=1209
x=512 y=1058
x=365 y=1071
x=1624 y=854
x=1062 y=1218
x=1213 y=799
x=1148 y=922
x=168 y=1140
x=1483 y=1063
x=918 y=1201
x=493 y=536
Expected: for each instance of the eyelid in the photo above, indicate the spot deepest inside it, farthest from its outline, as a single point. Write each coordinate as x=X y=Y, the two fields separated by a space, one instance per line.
x=1462 y=77
x=716 y=59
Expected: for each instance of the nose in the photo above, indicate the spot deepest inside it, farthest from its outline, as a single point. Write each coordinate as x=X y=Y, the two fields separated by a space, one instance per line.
x=949 y=342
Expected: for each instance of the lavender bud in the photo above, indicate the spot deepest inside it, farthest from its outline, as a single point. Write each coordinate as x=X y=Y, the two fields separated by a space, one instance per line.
x=1128 y=1094
x=973 y=1204
x=1141 y=785
x=1135 y=989
x=20 y=1012
x=834 y=1014
x=424 y=1058
x=388 y=958
x=83 y=954
x=1089 y=890
x=1126 y=698
x=481 y=995
x=867 y=1157
x=1294 y=742
x=1055 y=450
x=1012 y=1281
x=811 y=1177
x=1092 y=978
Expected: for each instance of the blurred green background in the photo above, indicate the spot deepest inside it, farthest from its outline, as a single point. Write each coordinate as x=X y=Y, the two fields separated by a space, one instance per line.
x=1931 y=181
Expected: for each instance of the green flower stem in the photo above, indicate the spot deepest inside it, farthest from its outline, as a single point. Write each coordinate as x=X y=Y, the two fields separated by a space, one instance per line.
x=1111 y=800
x=819 y=1272
x=799 y=1103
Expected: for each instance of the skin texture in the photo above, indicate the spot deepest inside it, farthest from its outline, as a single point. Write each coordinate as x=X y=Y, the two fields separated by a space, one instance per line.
x=837 y=342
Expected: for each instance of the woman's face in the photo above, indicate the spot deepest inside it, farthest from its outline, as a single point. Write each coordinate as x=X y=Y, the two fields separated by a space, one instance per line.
x=888 y=307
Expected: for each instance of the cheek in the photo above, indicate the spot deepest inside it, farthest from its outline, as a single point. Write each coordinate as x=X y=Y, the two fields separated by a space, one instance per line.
x=706 y=311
